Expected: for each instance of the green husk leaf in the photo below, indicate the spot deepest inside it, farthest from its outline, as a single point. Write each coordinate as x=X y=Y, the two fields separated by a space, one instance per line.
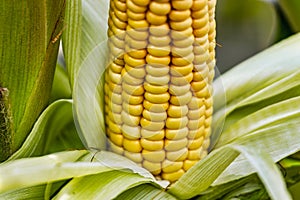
x=279 y=141
x=50 y=124
x=71 y=37
x=219 y=191
x=106 y=185
x=250 y=191
x=29 y=38
x=65 y=165
x=88 y=99
x=41 y=170
x=86 y=28
x=273 y=114
x=93 y=26
x=35 y=192
x=266 y=170
x=145 y=191
x=45 y=191
x=116 y=161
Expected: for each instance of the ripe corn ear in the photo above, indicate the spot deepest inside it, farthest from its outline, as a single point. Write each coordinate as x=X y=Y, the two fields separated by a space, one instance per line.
x=158 y=85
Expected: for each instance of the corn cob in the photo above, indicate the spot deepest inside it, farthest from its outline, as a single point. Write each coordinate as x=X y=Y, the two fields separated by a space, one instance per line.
x=158 y=93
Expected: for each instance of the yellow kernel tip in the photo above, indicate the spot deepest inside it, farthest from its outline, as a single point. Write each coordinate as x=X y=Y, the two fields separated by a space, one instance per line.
x=132 y=145
x=174 y=176
x=171 y=166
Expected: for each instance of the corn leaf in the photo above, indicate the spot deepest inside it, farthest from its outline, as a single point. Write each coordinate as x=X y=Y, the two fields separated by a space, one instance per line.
x=44 y=191
x=86 y=24
x=219 y=191
x=85 y=63
x=279 y=141
x=270 y=115
x=88 y=99
x=71 y=37
x=117 y=162
x=145 y=191
x=266 y=170
x=41 y=170
x=106 y=185
x=248 y=191
x=35 y=192
x=48 y=127
x=65 y=165
x=29 y=38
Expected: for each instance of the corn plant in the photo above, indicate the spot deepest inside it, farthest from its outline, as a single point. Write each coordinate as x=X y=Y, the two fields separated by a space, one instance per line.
x=136 y=113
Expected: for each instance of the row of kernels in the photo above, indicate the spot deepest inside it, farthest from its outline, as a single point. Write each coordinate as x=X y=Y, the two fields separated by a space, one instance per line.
x=211 y=74
x=201 y=29
x=112 y=106
x=156 y=87
x=178 y=146
x=211 y=37
x=182 y=36
x=177 y=138
x=113 y=89
x=118 y=19
x=154 y=161
x=175 y=150
x=211 y=64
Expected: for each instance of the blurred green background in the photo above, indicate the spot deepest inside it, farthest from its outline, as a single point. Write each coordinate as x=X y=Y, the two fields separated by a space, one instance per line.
x=245 y=27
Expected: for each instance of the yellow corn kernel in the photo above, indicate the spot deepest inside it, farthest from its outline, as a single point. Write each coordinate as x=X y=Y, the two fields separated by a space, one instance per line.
x=154 y=156
x=152 y=145
x=132 y=145
x=171 y=166
x=173 y=176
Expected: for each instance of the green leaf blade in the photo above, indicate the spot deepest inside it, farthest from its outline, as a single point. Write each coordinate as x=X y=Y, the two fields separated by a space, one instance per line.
x=28 y=57
x=106 y=185
x=267 y=171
